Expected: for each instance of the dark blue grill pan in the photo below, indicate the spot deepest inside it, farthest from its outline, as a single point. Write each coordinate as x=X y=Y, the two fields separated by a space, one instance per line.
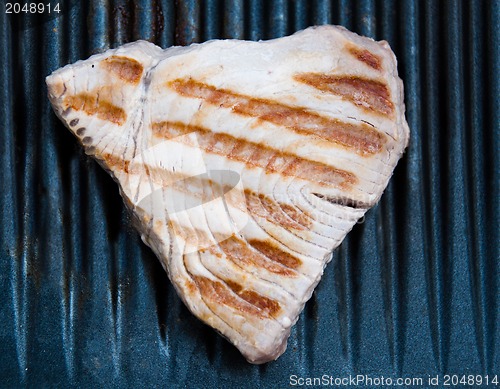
x=413 y=291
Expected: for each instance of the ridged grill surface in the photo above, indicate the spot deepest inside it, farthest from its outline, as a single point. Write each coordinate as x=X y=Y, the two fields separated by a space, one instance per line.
x=412 y=291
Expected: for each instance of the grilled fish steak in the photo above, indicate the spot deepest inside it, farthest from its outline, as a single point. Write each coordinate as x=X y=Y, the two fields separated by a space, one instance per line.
x=244 y=163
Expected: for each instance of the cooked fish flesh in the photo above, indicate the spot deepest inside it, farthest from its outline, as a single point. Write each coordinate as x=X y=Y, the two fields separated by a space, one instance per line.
x=244 y=163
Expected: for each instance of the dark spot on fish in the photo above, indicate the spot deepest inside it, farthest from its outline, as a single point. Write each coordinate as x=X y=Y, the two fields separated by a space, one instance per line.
x=87 y=140
x=344 y=201
x=80 y=131
x=74 y=122
x=66 y=111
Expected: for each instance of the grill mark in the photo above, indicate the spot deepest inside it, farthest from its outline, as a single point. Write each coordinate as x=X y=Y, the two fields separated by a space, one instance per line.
x=207 y=317
x=371 y=95
x=239 y=251
x=361 y=138
x=115 y=162
x=255 y=154
x=318 y=217
x=300 y=217
x=56 y=90
x=204 y=188
x=257 y=204
x=92 y=105
x=366 y=57
x=269 y=306
x=192 y=236
x=274 y=253
x=249 y=302
x=126 y=69
x=167 y=178
x=176 y=180
x=274 y=211
x=255 y=252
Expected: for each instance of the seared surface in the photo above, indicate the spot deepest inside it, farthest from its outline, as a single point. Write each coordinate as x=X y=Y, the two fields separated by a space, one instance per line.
x=244 y=163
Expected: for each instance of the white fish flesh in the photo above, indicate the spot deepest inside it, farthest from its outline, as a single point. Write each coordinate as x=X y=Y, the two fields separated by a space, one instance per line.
x=244 y=163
